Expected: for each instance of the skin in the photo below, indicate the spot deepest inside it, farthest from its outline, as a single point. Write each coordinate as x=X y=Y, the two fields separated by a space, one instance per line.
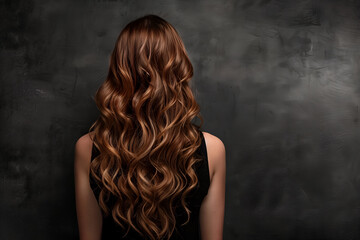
x=211 y=212
x=87 y=209
x=213 y=206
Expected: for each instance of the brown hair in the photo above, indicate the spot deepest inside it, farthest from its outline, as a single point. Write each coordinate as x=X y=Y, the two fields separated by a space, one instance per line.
x=144 y=133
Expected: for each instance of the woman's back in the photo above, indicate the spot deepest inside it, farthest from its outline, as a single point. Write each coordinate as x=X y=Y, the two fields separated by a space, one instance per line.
x=209 y=219
x=191 y=230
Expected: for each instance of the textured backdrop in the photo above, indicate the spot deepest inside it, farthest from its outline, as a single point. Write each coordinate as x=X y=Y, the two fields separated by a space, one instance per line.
x=277 y=81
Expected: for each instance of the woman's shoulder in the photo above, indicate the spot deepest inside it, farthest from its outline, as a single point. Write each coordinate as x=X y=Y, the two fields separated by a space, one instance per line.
x=213 y=143
x=215 y=151
x=83 y=149
x=84 y=142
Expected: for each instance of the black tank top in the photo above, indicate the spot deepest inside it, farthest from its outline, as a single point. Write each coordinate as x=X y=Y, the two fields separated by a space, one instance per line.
x=190 y=231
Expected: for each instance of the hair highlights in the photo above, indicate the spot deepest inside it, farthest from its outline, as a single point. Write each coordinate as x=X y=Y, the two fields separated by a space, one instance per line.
x=144 y=133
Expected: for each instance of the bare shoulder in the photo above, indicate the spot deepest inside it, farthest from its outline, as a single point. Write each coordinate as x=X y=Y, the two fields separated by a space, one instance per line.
x=83 y=149
x=216 y=152
x=212 y=209
x=87 y=209
x=83 y=143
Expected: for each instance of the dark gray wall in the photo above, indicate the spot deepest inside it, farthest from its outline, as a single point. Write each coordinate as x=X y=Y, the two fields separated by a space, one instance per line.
x=277 y=81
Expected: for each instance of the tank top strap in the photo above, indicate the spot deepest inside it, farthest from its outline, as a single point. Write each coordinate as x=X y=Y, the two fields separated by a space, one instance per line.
x=204 y=171
x=94 y=151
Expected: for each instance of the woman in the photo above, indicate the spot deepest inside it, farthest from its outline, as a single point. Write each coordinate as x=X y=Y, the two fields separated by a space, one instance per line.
x=144 y=170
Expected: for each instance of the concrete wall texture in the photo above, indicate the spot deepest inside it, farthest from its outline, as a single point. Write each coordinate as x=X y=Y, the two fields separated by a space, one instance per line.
x=277 y=81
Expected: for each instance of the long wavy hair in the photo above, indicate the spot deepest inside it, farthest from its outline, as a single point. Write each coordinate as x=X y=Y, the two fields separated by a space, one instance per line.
x=144 y=133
